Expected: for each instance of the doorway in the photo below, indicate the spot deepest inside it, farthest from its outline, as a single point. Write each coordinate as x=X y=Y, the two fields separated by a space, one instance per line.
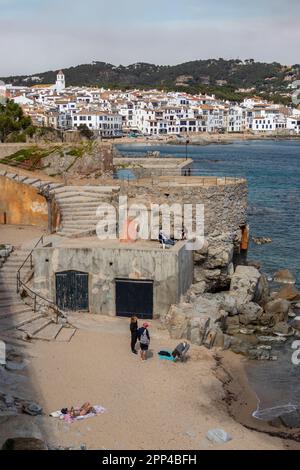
x=72 y=291
x=134 y=298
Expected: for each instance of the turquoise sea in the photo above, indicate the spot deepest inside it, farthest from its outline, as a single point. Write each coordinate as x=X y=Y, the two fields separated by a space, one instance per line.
x=273 y=172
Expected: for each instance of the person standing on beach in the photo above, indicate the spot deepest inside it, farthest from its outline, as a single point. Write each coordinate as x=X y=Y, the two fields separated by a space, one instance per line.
x=144 y=338
x=134 y=333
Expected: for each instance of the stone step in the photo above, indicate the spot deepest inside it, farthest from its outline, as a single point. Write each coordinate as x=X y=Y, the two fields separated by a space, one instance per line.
x=36 y=326
x=31 y=181
x=83 y=218
x=18 y=321
x=13 y=310
x=10 y=304
x=81 y=210
x=93 y=188
x=65 y=334
x=79 y=223
x=49 y=333
x=80 y=195
x=10 y=297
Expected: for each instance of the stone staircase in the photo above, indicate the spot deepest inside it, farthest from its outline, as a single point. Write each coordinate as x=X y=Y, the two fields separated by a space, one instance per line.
x=78 y=207
x=36 y=183
x=17 y=317
x=78 y=204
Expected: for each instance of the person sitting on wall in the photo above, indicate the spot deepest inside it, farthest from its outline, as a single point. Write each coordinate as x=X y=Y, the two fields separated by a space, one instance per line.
x=164 y=240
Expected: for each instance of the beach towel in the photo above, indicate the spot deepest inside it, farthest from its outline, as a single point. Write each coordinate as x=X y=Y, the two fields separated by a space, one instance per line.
x=99 y=410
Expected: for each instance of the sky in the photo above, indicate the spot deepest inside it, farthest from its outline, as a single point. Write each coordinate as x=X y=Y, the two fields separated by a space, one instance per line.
x=42 y=35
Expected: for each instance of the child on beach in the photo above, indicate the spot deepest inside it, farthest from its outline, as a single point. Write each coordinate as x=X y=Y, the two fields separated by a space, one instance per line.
x=144 y=338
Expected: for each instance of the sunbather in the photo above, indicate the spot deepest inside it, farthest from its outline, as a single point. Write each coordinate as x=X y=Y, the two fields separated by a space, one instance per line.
x=76 y=412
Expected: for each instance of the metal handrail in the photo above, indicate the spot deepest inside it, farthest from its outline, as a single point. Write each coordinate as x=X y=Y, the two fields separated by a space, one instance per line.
x=34 y=295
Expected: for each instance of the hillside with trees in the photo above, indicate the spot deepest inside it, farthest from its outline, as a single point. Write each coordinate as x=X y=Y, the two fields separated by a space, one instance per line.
x=228 y=79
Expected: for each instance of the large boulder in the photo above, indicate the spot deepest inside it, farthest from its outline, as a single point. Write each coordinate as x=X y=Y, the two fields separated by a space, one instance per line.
x=289 y=293
x=250 y=314
x=284 y=277
x=262 y=293
x=244 y=283
x=219 y=255
x=278 y=309
x=177 y=320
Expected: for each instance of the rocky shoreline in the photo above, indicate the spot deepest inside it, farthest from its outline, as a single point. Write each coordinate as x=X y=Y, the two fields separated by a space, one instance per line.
x=241 y=400
x=205 y=139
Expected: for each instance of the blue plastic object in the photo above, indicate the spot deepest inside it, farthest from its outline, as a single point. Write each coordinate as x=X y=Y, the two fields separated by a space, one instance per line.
x=166 y=358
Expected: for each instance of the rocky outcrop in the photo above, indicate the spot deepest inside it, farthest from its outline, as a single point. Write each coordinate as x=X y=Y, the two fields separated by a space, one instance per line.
x=247 y=318
x=289 y=293
x=284 y=277
x=244 y=283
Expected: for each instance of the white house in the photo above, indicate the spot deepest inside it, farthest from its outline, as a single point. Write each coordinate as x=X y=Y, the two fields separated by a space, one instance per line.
x=107 y=125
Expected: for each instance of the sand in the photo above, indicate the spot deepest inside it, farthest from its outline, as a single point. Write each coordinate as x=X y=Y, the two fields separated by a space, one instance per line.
x=152 y=405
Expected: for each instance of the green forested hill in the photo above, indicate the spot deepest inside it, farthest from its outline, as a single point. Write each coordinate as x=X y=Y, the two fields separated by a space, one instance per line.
x=224 y=77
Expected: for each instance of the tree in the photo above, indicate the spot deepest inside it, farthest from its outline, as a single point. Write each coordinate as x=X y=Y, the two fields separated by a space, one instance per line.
x=13 y=121
x=85 y=131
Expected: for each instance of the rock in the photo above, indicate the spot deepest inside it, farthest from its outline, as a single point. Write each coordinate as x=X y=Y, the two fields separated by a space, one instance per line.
x=32 y=409
x=262 y=292
x=198 y=288
x=209 y=305
x=254 y=264
x=282 y=328
x=195 y=336
x=259 y=355
x=279 y=309
x=272 y=339
x=241 y=347
x=289 y=293
x=232 y=321
x=250 y=314
x=247 y=331
x=219 y=255
x=218 y=436
x=230 y=305
x=296 y=324
x=284 y=277
x=210 y=339
x=9 y=400
x=177 y=320
x=15 y=366
x=24 y=443
x=244 y=283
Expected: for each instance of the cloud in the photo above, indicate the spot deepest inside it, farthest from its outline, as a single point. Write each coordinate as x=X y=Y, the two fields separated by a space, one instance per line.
x=125 y=32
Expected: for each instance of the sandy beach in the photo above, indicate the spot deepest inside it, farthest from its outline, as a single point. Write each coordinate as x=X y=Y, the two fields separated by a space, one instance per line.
x=152 y=405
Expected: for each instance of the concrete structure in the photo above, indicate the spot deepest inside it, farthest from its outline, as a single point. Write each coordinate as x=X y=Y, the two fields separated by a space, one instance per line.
x=147 y=167
x=106 y=262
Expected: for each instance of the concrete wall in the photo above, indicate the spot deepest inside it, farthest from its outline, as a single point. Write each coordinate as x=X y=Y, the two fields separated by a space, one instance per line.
x=225 y=204
x=153 y=167
x=22 y=204
x=104 y=265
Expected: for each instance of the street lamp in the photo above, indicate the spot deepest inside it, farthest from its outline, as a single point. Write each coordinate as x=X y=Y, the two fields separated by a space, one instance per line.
x=186 y=148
